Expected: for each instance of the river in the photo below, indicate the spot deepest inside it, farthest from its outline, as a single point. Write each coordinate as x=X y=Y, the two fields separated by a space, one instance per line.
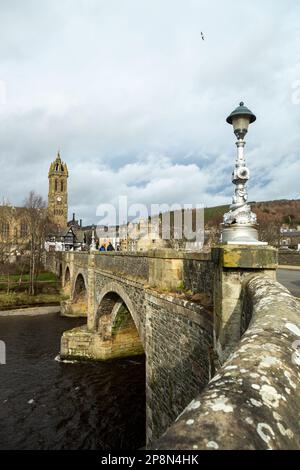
x=47 y=404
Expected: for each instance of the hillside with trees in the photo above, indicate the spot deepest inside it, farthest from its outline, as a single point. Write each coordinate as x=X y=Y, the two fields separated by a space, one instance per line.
x=271 y=216
x=282 y=211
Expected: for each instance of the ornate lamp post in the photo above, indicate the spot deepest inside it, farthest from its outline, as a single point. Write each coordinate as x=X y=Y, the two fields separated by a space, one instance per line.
x=240 y=224
x=93 y=244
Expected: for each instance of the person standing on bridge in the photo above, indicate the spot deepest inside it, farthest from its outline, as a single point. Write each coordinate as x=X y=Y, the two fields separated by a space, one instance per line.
x=110 y=247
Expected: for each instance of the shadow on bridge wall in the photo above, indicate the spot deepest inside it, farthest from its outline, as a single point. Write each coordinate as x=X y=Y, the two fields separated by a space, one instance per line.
x=66 y=282
x=172 y=386
x=77 y=305
x=116 y=327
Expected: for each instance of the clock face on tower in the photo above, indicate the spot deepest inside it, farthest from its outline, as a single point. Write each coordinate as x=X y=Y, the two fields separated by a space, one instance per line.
x=58 y=199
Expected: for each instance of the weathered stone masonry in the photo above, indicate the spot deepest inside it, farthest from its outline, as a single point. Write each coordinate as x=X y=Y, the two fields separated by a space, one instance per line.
x=254 y=400
x=185 y=342
x=232 y=266
x=179 y=357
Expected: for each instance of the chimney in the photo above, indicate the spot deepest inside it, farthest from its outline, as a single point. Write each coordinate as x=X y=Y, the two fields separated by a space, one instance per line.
x=80 y=222
x=73 y=217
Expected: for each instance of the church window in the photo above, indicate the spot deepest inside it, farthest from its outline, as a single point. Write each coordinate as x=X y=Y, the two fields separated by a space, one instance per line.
x=61 y=186
x=56 y=185
x=56 y=167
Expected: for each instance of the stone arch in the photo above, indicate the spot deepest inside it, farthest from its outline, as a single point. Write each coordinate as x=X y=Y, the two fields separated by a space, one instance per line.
x=80 y=296
x=79 y=285
x=67 y=281
x=117 y=324
x=67 y=274
x=106 y=311
x=116 y=289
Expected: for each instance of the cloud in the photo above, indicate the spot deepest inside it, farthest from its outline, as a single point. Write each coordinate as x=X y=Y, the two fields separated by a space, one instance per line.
x=156 y=180
x=137 y=102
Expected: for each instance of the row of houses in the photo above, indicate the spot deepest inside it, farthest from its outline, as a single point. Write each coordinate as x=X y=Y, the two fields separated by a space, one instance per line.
x=290 y=238
x=131 y=237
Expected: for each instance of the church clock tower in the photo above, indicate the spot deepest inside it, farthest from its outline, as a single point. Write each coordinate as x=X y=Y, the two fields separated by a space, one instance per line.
x=58 y=193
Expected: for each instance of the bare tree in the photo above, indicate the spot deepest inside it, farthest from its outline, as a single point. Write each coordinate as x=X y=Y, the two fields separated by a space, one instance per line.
x=5 y=241
x=37 y=221
x=269 y=231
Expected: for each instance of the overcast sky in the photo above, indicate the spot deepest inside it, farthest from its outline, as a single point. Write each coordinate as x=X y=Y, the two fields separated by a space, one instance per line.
x=137 y=101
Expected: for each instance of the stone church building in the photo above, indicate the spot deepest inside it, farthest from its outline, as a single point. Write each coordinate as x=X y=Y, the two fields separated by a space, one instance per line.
x=14 y=228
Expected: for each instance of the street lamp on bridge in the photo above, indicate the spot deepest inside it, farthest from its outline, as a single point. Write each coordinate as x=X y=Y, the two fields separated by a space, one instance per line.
x=93 y=246
x=240 y=223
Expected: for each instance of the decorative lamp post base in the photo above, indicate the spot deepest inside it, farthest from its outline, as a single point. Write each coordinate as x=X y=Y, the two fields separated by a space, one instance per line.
x=93 y=246
x=240 y=234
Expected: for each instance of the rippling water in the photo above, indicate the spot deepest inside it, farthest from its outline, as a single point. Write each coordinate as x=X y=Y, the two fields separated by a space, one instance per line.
x=47 y=404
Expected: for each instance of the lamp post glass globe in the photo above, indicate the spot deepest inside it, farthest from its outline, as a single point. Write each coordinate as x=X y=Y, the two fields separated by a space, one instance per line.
x=240 y=119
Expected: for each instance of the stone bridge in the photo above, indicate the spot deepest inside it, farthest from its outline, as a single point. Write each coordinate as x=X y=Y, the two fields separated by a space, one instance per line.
x=138 y=304
x=185 y=311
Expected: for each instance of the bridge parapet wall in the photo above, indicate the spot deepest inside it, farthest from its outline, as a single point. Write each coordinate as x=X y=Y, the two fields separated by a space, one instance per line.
x=165 y=270
x=198 y=273
x=80 y=258
x=170 y=270
x=233 y=264
x=254 y=400
x=125 y=264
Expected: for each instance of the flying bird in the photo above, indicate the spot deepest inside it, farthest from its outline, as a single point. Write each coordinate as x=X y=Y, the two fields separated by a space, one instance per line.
x=202 y=35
